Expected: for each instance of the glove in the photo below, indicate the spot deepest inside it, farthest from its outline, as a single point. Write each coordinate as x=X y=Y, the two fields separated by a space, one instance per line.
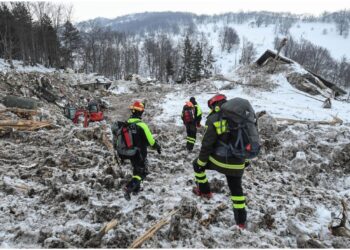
x=198 y=125
x=158 y=148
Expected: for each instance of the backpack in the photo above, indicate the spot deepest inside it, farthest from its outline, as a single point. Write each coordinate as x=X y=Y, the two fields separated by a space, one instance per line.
x=244 y=142
x=188 y=115
x=123 y=139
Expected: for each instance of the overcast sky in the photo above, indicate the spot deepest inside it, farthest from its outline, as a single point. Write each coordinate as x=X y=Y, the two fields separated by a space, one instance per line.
x=88 y=9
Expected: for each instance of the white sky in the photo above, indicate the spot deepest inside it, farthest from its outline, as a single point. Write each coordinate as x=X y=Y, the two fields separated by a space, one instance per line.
x=88 y=9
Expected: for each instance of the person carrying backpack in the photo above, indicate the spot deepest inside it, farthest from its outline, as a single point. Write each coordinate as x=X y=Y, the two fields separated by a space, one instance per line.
x=226 y=146
x=188 y=117
x=132 y=139
x=198 y=112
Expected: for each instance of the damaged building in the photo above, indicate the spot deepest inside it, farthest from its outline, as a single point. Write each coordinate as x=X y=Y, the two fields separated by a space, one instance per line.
x=307 y=81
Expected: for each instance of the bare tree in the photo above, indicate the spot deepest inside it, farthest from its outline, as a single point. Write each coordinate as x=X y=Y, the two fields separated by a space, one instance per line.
x=342 y=23
x=248 y=52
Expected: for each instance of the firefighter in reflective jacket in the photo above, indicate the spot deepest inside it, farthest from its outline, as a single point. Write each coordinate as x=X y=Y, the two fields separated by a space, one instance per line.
x=198 y=112
x=233 y=168
x=142 y=139
x=188 y=117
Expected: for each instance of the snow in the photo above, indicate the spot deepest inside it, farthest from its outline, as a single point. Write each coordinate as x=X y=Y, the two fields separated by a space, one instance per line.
x=336 y=44
x=273 y=184
x=19 y=67
x=283 y=102
x=263 y=38
x=297 y=181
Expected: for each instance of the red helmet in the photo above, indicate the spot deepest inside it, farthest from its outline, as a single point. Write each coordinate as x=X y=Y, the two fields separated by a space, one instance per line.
x=137 y=106
x=215 y=99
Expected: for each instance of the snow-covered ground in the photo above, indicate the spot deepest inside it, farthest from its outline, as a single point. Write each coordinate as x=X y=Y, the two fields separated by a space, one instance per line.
x=282 y=102
x=59 y=187
x=19 y=67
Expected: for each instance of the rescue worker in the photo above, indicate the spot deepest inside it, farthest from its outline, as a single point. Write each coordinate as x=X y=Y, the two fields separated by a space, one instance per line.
x=189 y=119
x=93 y=106
x=231 y=167
x=198 y=113
x=142 y=139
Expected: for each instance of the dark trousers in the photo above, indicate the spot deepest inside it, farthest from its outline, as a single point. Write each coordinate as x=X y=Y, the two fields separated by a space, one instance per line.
x=191 y=131
x=235 y=186
x=139 y=173
x=237 y=198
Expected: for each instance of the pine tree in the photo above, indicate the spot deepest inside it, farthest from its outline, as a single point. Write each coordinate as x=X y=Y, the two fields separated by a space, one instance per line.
x=208 y=63
x=187 y=61
x=197 y=63
x=6 y=32
x=23 y=31
x=47 y=43
x=169 y=69
x=70 y=43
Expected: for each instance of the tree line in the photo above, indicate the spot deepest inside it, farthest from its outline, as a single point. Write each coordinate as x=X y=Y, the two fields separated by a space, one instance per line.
x=41 y=32
x=29 y=32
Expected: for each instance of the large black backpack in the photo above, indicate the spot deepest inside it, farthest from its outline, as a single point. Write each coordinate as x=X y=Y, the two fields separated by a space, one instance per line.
x=244 y=142
x=123 y=139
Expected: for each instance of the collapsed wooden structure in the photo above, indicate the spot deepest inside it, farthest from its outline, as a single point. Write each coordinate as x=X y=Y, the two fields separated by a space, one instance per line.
x=27 y=124
x=270 y=55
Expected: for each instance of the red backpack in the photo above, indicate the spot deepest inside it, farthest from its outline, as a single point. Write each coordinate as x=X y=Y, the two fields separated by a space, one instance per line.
x=188 y=115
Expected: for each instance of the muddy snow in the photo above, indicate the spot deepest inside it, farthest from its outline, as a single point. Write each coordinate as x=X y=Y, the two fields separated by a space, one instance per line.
x=59 y=187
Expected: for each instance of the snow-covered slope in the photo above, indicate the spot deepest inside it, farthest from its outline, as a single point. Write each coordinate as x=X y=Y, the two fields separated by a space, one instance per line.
x=263 y=38
x=20 y=67
x=284 y=101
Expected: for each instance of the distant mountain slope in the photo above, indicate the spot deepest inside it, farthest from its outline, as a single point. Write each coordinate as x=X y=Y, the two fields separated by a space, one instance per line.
x=142 y=22
x=256 y=27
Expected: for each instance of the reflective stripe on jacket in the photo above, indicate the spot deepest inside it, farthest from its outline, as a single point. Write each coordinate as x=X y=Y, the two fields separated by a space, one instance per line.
x=216 y=129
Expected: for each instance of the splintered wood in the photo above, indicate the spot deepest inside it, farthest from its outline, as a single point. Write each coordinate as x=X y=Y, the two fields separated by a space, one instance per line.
x=95 y=241
x=213 y=214
x=24 y=125
x=150 y=232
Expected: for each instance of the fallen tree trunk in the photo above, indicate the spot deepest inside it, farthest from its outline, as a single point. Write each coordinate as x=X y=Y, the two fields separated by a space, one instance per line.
x=150 y=232
x=336 y=120
x=24 y=125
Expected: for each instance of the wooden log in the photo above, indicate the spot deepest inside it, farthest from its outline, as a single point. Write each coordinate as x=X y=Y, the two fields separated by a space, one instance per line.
x=25 y=125
x=150 y=232
x=281 y=45
x=95 y=241
x=336 y=120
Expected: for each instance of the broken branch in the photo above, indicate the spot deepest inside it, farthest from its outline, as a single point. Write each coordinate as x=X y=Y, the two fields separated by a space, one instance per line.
x=150 y=232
